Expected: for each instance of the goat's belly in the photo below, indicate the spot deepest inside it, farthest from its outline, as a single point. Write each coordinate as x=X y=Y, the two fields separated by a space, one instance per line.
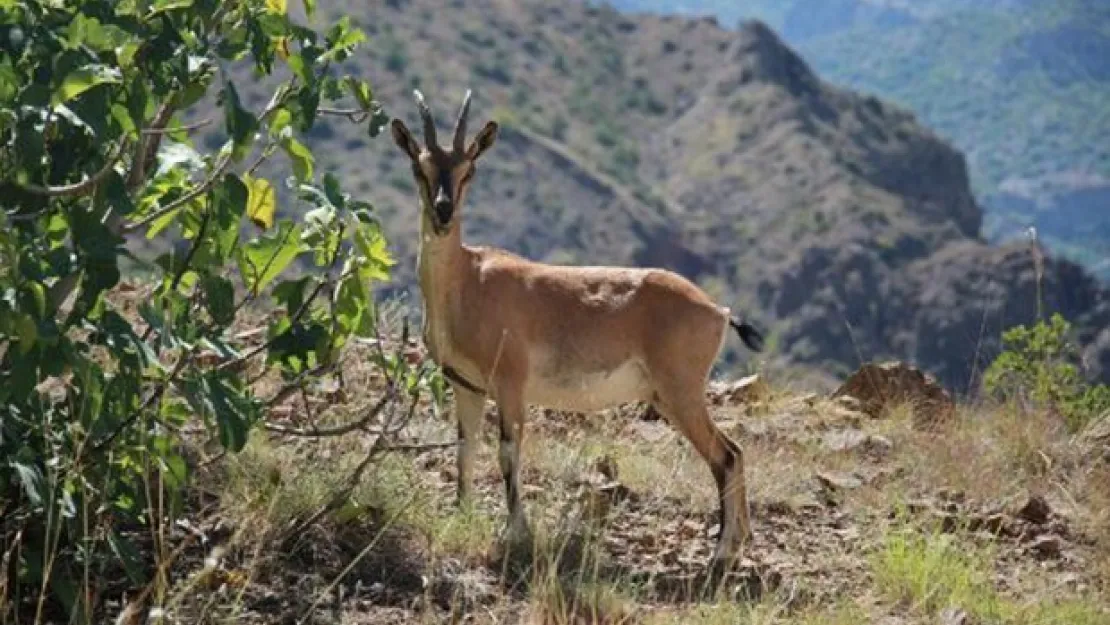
x=584 y=392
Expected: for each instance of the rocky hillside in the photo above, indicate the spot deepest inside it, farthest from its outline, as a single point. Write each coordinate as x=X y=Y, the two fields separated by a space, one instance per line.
x=1020 y=86
x=845 y=226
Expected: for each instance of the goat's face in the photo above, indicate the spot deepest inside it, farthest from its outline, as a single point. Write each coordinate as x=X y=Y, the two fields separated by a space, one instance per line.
x=442 y=175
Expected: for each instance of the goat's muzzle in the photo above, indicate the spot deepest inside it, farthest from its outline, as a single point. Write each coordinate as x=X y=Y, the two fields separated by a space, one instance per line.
x=444 y=209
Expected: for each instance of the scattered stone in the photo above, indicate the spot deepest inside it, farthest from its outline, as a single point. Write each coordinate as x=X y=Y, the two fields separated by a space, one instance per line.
x=856 y=440
x=881 y=387
x=1036 y=510
x=1047 y=547
x=837 y=480
x=954 y=616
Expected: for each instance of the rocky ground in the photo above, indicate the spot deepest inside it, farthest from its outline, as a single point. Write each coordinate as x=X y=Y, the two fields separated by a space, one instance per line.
x=978 y=515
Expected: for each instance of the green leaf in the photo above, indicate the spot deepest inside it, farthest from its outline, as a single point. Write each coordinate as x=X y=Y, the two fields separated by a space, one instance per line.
x=378 y=120
x=233 y=411
x=280 y=120
x=128 y=556
x=334 y=194
x=341 y=39
x=276 y=6
x=372 y=246
x=291 y=293
x=162 y=222
x=219 y=298
x=309 y=7
x=362 y=92
x=263 y=259
x=300 y=157
x=232 y=198
x=262 y=203
x=83 y=79
x=239 y=123
x=27 y=331
x=354 y=306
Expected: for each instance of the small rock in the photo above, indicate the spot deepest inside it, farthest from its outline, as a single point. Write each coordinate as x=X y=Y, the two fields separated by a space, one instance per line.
x=880 y=387
x=876 y=445
x=954 y=616
x=748 y=390
x=843 y=440
x=1047 y=546
x=838 y=480
x=1036 y=510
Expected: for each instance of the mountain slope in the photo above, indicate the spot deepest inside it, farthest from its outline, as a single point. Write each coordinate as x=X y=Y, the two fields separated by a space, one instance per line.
x=671 y=142
x=1020 y=86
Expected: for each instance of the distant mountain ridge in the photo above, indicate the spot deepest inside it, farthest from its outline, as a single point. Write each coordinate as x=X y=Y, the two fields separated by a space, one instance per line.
x=836 y=220
x=1020 y=86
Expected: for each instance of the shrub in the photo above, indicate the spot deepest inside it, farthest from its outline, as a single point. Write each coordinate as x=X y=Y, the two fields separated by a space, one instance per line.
x=94 y=402
x=1038 y=364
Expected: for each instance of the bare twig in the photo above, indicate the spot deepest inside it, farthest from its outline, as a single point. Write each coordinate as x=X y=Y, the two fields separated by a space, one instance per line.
x=420 y=447
x=183 y=128
x=343 y=494
x=354 y=115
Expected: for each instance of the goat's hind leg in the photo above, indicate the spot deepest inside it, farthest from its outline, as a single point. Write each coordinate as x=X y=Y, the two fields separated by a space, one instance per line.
x=685 y=408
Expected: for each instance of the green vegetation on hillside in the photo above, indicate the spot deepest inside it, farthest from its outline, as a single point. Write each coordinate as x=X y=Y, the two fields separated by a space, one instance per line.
x=1020 y=87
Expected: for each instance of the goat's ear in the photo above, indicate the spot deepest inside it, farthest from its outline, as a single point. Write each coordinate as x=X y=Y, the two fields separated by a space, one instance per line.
x=403 y=138
x=482 y=141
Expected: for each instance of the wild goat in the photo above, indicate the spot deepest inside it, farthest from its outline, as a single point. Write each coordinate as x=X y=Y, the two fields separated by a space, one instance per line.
x=569 y=338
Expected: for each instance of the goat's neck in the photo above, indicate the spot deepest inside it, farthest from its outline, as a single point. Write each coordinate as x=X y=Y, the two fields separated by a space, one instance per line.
x=441 y=267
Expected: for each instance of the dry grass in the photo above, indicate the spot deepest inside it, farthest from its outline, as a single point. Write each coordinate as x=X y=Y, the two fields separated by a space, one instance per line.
x=423 y=560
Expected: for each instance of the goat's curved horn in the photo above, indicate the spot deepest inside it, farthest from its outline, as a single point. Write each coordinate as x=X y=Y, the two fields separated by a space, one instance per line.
x=426 y=115
x=460 y=123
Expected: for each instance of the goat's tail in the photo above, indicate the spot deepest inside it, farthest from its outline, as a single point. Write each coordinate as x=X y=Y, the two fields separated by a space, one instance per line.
x=748 y=333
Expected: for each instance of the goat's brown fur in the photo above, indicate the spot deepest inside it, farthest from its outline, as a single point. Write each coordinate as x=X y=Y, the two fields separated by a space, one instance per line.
x=572 y=338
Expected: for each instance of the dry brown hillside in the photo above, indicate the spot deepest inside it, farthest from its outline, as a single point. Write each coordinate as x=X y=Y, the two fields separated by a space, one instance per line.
x=837 y=220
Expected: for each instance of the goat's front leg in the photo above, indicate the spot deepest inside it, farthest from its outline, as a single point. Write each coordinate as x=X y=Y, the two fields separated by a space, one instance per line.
x=512 y=411
x=469 y=410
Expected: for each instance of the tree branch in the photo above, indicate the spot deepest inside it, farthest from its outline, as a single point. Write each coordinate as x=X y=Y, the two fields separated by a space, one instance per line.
x=78 y=188
x=147 y=149
x=197 y=191
x=360 y=424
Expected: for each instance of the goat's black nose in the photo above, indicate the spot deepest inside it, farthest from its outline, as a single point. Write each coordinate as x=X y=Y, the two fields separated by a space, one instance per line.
x=444 y=209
